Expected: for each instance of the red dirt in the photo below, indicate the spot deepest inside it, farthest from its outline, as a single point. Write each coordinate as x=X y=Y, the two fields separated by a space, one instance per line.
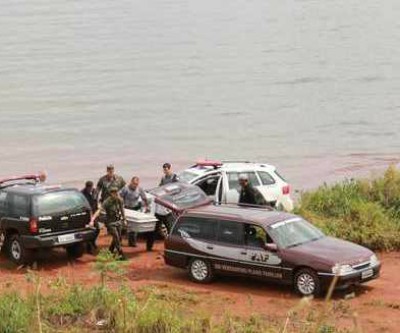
x=376 y=305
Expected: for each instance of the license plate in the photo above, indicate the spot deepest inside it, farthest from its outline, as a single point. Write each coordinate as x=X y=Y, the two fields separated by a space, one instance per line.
x=367 y=274
x=66 y=238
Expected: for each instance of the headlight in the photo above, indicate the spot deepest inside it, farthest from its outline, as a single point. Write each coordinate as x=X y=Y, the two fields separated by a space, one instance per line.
x=374 y=260
x=341 y=269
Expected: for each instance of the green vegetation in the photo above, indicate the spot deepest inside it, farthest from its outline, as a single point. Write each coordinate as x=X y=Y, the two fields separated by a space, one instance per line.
x=364 y=211
x=110 y=306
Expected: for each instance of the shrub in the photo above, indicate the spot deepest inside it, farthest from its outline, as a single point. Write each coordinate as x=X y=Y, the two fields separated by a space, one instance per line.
x=363 y=211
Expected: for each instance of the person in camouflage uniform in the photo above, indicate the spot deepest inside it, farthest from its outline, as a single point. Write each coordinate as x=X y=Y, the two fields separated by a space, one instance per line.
x=113 y=207
x=107 y=181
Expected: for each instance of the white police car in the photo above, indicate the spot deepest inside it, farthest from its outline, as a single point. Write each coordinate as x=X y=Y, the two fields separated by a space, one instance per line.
x=221 y=181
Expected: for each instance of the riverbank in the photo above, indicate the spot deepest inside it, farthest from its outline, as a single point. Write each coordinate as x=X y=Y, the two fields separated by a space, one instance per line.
x=241 y=303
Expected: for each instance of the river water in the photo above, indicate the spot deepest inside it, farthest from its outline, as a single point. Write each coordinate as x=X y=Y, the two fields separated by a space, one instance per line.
x=311 y=86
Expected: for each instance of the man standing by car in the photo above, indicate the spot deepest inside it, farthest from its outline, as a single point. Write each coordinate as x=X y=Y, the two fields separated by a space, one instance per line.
x=248 y=194
x=91 y=196
x=113 y=207
x=169 y=175
x=134 y=198
x=107 y=181
x=163 y=215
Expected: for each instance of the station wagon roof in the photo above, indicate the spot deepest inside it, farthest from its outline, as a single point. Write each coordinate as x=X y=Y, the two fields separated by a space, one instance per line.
x=260 y=216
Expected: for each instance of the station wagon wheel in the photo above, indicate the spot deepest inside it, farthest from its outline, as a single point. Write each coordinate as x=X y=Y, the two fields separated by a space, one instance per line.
x=200 y=270
x=306 y=282
x=16 y=250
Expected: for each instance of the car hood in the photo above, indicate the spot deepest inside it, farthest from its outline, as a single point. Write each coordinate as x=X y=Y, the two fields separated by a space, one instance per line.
x=331 y=251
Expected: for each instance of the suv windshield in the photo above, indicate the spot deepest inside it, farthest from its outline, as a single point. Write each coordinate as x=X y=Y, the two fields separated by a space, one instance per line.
x=294 y=232
x=58 y=202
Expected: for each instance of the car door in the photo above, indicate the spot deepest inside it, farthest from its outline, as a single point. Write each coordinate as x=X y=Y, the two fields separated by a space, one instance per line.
x=228 y=247
x=233 y=187
x=257 y=260
x=209 y=184
x=269 y=188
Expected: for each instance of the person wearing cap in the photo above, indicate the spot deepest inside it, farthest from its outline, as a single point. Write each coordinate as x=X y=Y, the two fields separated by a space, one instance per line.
x=134 y=198
x=90 y=194
x=248 y=194
x=113 y=207
x=111 y=179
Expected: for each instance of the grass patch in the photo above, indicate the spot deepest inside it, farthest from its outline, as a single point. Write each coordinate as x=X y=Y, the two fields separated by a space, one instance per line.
x=364 y=211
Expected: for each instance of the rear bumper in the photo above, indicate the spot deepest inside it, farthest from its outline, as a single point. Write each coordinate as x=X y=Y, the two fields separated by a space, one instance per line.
x=351 y=279
x=58 y=239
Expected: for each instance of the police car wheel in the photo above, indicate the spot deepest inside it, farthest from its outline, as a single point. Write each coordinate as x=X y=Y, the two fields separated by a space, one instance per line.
x=200 y=270
x=306 y=282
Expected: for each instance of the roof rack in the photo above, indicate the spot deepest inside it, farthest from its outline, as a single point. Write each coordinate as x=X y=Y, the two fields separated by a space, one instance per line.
x=260 y=207
x=4 y=181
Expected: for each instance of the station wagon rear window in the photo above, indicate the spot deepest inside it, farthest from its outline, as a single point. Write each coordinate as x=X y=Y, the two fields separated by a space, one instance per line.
x=196 y=228
x=294 y=232
x=58 y=202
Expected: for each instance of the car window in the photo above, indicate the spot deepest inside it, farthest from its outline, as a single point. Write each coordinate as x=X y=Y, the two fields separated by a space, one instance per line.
x=266 y=178
x=19 y=205
x=59 y=202
x=187 y=176
x=233 y=179
x=255 y=236
x=209 y=184
x=3 y=202
x=197 y=228
x=230 y=232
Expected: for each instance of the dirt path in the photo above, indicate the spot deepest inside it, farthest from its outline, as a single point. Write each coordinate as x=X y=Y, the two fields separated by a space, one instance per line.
x=376 y=305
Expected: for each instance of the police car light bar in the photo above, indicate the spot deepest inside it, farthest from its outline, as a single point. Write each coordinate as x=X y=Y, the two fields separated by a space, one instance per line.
x=209 y=163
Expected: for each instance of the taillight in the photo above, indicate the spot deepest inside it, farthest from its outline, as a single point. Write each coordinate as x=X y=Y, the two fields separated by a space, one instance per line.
x=33 y=225
x=286 y=189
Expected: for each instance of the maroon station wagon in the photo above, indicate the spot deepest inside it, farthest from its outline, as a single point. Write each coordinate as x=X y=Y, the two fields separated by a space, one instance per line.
x=207 y=239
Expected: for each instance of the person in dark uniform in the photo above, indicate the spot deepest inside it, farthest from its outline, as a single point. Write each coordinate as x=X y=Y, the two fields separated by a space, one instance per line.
x=111 y=179
x=91 y=196
x=113 y=207
x=248 y=194
x=169 y=175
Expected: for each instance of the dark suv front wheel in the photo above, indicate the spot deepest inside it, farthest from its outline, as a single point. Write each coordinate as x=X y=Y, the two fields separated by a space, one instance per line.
x=16 y=250
x=200 y=270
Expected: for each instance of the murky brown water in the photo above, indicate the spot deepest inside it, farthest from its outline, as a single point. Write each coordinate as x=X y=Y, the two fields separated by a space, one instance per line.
x=310 y=86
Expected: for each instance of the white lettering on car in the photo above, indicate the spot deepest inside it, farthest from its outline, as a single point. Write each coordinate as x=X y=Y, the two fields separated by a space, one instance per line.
x=252 y=271
x=45 y=218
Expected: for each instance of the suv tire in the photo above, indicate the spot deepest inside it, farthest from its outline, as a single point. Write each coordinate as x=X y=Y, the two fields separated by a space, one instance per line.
x=306 y=282
x=200 y=270
x=76 y=250
x=16 y=250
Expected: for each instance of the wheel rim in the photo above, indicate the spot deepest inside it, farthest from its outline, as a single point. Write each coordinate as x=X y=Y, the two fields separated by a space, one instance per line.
x=16 y=250
x=306 y=284
x=199 y=270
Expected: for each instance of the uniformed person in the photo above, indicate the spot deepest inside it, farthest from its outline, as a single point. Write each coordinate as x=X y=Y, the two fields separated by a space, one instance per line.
x=248 y=194
x=169 y=175
x=111 y=179
x=113 y=207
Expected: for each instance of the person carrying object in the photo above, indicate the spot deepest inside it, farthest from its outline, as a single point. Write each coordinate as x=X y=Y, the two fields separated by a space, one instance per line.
x=113 y=207
x=134 y=198
x=90 y=194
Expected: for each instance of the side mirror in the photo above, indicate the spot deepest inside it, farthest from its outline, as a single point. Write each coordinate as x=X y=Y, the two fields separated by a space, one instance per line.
x=271 y=247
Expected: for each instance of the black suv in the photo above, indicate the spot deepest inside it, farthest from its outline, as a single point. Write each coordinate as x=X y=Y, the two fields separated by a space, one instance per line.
x=35 y=216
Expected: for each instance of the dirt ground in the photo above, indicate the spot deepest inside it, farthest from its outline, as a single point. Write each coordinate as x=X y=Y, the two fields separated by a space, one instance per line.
x=375 y=307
